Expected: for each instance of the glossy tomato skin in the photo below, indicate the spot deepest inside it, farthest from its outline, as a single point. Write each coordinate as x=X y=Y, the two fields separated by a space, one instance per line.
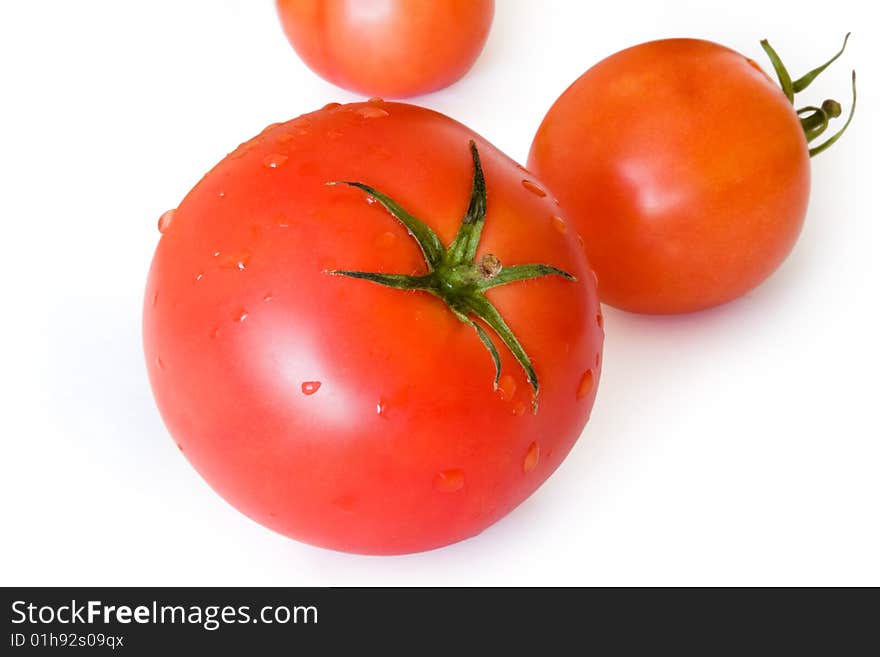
x=337 y=411
x=684 y=167
x=390 y=48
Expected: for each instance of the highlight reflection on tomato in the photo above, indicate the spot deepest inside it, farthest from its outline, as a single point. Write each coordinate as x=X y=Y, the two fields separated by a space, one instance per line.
x=356 y=364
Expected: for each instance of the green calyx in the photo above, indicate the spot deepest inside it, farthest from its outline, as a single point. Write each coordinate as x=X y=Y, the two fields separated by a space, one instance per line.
x=814 y=120
x=457 y=277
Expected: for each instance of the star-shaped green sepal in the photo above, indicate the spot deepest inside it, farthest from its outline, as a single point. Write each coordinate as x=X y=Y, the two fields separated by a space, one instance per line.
x=456 y=277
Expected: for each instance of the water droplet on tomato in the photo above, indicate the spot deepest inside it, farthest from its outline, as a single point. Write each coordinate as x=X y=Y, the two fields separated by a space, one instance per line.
x=506 y=387
x=381 y=408
x=274 y=160
x=243 y=149
x=310 y=387
x=240 y=315
x=559 y=224
x=238 y=261
x=372 y=112
x=221 y=194
x=518 y=408
x=370 y=200
x=386 y=240
x=600 y=320
x=199 y=276
x=533 y=188
x=331 y=106
x=375 y=100
x=533 y=454
x=449 y=481
x=165 y=220
x=586 y=384
x=580 y=239
x=301 y=125
x=268 y=297
x=595 y=278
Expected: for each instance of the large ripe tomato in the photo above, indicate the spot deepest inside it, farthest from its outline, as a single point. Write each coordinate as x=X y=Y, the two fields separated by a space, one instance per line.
x=327 y=404
x=684 y=167
x=392 y=48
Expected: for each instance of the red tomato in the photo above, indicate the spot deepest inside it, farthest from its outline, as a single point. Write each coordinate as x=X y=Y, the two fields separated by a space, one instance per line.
x=684 y=167
x=325 y=403
x=392 y=48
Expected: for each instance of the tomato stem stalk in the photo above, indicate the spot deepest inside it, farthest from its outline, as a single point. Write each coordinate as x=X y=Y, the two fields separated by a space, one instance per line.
x=814 y=120
x=457 y=277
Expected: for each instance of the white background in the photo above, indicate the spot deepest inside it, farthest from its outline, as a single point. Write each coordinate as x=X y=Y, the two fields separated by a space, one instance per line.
x=734 y=446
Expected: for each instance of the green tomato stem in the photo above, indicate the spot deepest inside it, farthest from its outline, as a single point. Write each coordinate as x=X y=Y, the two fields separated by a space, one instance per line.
x=814 y=120
x=455 y=276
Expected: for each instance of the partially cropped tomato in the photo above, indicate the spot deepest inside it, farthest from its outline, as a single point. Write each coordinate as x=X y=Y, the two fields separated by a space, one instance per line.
x=392 y=48
x=385 y=364
x=685 y=168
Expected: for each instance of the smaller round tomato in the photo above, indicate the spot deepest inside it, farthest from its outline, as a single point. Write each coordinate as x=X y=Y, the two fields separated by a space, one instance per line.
x=393 y=48
x=685 y=169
